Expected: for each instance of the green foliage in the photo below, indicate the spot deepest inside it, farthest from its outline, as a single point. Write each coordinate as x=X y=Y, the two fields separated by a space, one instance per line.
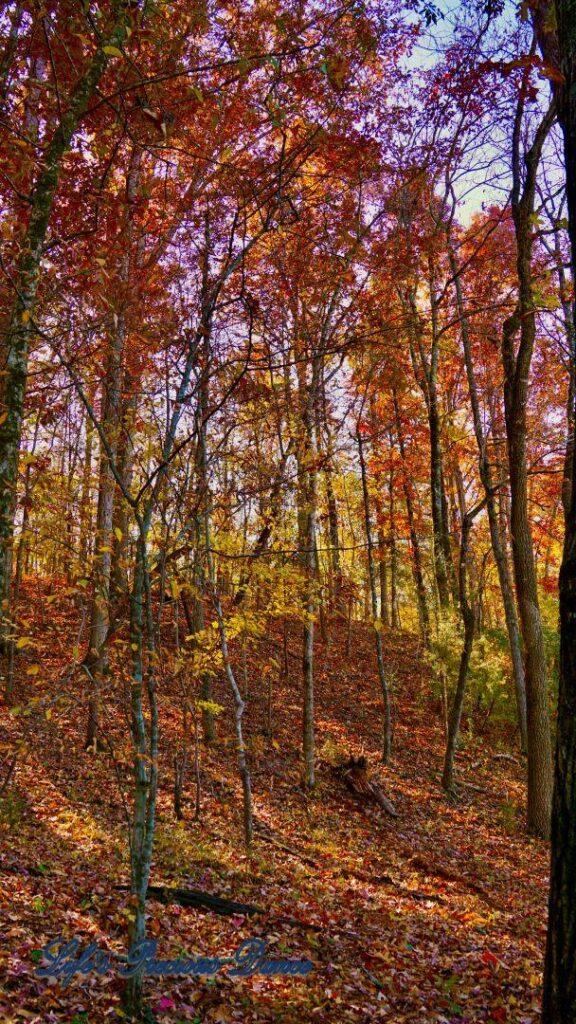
x=12 y=807
x=443 y=656
x=549 y=609
x=40 y=905
x=209 y=706
x=176 y=846
x=332 y=752
x=489 y=687
x=508 y=815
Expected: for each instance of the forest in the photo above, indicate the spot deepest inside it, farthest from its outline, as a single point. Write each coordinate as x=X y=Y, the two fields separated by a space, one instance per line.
x=287 y=511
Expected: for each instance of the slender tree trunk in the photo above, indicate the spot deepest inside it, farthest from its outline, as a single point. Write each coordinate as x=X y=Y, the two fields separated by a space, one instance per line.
x=382 y=568
x=95 y=659
x=20 y=559
x=394 y=609
x=498 y=548
x=426 y=375
x=387 y=731
x=307 y=498
x=308 y=743
x=335 y=573
x=144 y=731
x=469 y=613
x=85 y=496
x=116 y=422
x=439 y=503
x=423 y=613
x=120 y=537
x=239 y=704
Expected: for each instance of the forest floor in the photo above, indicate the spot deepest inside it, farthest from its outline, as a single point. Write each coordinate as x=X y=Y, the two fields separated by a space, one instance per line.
x=435 y=915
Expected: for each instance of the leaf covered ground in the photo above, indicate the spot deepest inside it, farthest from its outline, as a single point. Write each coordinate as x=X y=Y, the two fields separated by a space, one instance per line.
x=436 y=915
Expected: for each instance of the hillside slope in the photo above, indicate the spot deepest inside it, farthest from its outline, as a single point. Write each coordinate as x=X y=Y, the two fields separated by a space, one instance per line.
x=435 y=915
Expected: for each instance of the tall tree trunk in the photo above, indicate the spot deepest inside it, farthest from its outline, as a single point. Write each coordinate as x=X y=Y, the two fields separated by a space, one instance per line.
x=307 y=499
x=239 y=704
x=10 y=47
x=335 y=573
x=387 y=730
x=469 y=613
x=120 y=537
x=439 y=503
x=559 y=1002
x=423 y=613
x=498 y=548
x=85 y=494
x=516 y=382
x=568 y=314
x=426 y=374
x=144 y=730
x=95 y=659
x=382 y=568
x=308 y=743
x=394 y=609
x=20 y=321
x=113 y=422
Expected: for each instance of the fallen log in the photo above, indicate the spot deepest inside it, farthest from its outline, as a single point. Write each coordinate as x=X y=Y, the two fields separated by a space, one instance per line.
x=354 y=775
x=206 y=901
x=197 y=898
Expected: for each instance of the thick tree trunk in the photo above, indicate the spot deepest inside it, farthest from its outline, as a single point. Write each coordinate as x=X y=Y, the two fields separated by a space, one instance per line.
x=19 y=330
x=559 y=1002
x=516 y=382
x=10 y=47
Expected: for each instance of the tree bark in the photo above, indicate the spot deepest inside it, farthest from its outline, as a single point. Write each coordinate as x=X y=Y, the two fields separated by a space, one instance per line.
x=559 y=999
x=498 y=548
x=394 y=609
x=112 y=424
x=423 y=613
x=426 y=374
x=387 y=730
x=17 y=336
x=469 y=613
x=516 y=381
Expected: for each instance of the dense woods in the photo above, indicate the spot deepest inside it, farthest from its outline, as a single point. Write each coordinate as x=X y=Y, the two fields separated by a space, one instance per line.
x=287 y=506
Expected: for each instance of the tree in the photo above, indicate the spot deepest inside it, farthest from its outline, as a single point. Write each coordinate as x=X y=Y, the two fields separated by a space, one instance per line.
x=559 y=1000
x=26 y=275
x=516 y=365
